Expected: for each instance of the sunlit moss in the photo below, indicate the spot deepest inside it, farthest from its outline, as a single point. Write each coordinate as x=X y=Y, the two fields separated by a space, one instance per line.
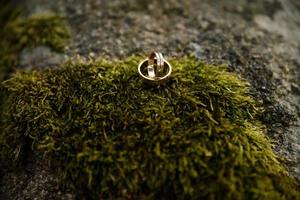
x=111 y=136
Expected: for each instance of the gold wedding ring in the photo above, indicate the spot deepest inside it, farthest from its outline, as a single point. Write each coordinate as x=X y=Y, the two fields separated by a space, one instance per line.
x=155 y=70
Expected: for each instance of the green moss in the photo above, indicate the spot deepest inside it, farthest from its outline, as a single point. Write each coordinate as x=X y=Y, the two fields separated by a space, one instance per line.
x=19 y=33
x=8 y=12
x=111 y=136
x=42 y=29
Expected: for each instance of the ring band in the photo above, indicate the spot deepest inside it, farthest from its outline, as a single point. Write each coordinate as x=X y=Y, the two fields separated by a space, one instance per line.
x=158 y=65
x=156 y=80
x=151 y=71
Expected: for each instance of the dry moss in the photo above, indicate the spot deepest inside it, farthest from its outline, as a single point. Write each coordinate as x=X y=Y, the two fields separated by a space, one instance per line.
x=18 y=33
x=110 y=136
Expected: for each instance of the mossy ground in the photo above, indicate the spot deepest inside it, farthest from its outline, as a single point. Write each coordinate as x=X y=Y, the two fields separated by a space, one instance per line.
x=109 y=135
x=18 y=33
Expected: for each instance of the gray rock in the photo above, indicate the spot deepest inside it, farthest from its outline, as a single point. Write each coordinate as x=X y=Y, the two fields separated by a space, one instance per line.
x=40 y=57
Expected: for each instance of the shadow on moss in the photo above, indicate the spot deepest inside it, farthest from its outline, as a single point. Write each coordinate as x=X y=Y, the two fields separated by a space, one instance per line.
x=111 y=136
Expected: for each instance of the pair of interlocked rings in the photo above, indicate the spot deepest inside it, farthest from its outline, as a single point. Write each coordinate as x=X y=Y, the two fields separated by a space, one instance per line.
x=155 y=70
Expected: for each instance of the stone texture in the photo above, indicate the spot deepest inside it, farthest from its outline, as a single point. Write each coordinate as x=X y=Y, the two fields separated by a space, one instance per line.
x=40 y=57
x=260 y=40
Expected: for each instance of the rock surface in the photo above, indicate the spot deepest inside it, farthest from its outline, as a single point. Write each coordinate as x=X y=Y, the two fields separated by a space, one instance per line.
x=258 y=39
x=40 y=57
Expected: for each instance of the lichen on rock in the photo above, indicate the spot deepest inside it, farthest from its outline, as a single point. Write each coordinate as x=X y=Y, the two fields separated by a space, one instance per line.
x=111 y=136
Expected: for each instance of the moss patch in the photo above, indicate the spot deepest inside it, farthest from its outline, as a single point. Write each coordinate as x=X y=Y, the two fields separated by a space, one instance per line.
x=17 y=33
x=109 y=135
